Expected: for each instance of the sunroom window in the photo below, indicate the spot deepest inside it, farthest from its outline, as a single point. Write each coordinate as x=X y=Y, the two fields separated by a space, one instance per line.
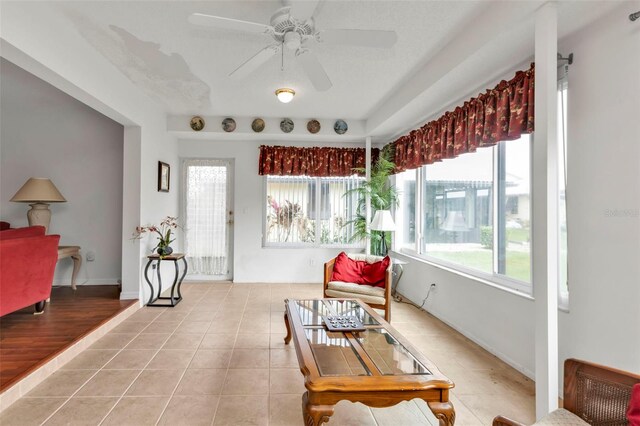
x=310 y=211
x=474 y=212
x=457 y=209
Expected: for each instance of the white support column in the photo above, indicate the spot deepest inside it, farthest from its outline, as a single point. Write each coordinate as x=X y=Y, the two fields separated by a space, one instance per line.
x=368 y=200
x=545 y=210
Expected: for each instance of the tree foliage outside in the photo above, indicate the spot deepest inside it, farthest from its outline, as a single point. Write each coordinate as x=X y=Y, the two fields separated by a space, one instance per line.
x=383 y=195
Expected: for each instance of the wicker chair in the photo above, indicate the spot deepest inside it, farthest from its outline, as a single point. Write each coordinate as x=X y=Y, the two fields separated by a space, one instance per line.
x=377 y=298
x=596 y=394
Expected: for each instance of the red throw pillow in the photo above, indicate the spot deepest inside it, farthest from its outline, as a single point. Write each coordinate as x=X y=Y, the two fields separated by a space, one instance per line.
x=348 y=270
x=633 y=413
x=373 y=273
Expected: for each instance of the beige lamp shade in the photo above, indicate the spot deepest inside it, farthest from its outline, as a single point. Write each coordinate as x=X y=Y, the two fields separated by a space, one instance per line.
x=382 y=221
x=38 y=190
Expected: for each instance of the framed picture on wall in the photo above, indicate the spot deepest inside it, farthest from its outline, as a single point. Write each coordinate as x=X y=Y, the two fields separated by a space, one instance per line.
x=164 y=176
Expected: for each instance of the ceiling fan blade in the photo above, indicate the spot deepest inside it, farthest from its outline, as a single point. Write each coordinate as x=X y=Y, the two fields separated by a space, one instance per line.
x=255 y=61
x=314 y=70
x=364 y=38
x=303 y=9
x=228 y=23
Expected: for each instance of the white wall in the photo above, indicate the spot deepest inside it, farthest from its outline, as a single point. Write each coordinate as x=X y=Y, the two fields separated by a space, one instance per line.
x=31 y=35
x=498 y=320
x=604 y=247
x=252 y=262
x=47 y=133
x=603 y=193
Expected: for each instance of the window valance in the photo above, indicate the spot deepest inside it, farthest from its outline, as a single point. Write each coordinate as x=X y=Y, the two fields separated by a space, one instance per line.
x=312 y=161
x=504 y=113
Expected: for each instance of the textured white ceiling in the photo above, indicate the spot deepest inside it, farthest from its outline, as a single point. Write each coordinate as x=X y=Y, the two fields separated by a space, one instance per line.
x=458 y=47
x=186 y=68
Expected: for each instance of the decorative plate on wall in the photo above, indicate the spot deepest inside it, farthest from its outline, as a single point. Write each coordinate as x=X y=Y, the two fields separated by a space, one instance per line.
x=286 y=125
x=228 y=124
x=197 y=123
x=313 y=126
x=340 y=127
x=257 y=125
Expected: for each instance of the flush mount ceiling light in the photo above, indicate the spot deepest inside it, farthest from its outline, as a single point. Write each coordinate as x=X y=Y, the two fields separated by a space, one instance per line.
x=285 y=95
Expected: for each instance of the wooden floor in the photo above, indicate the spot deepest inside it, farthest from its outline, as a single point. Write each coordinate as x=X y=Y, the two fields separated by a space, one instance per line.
x=28 y=341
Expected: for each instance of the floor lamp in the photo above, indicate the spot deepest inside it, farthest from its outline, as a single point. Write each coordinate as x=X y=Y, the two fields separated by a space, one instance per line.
x=39 y=192
x=382 y=221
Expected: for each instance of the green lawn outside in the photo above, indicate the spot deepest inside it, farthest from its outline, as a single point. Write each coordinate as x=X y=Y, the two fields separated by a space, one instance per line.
x=518 y=263
x=518 y=235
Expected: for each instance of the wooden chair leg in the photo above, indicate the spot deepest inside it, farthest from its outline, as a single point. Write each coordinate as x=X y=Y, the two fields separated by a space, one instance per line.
x=39 y=307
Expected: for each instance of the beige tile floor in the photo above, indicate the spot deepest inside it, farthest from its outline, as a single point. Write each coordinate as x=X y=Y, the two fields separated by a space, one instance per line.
x=218 y=358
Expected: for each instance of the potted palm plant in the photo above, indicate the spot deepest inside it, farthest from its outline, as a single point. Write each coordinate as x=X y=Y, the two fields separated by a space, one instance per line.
x=383 y=195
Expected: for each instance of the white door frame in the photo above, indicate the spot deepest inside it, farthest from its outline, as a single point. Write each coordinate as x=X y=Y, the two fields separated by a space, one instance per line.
x=230 y=164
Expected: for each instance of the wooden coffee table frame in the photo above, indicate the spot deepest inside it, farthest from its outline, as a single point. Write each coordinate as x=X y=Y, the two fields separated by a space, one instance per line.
x=376 y=390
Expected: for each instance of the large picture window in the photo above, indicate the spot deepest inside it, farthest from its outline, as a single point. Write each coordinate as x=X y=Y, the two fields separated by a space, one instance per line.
x=563 y=279
x=457 y=209
x=472 y=212
x=307 y=211
x=405 y=216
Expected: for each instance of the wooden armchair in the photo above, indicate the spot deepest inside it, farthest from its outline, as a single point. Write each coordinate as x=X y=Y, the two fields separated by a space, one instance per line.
x=376 y=297
x=595 y=394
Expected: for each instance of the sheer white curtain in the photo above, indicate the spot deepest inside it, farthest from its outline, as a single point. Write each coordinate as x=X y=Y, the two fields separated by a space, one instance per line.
x=206 y=208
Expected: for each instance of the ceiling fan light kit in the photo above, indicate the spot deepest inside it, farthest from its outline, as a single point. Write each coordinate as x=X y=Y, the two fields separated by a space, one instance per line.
x=285 y=95
x=293 y=28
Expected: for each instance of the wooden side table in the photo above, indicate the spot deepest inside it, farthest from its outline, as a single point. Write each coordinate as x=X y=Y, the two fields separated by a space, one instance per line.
x=74 y=253
x=177 y=279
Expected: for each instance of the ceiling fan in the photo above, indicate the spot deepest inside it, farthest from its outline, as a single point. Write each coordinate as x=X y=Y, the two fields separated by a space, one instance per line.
x=293 y=27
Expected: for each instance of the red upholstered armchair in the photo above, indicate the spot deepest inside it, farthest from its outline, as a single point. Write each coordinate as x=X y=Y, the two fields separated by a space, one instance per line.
x=27 y=262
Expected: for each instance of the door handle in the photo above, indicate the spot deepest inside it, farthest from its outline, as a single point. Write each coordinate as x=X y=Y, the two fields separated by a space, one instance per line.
x=230 y=222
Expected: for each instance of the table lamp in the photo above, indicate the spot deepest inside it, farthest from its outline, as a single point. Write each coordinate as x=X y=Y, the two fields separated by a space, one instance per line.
x=39 y=192
x=382 y=221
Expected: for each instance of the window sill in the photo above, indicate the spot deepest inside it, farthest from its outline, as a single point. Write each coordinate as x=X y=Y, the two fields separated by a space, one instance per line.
x=563 y=301
x=486 y=280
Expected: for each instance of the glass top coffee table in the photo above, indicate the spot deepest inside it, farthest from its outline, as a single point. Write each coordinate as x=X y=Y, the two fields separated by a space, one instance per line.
x=377 y=366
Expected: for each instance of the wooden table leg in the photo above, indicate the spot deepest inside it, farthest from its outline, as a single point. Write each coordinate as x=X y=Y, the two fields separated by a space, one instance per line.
x=315 y=415
x=443 y=411
x=77 y=261
x=287 y=338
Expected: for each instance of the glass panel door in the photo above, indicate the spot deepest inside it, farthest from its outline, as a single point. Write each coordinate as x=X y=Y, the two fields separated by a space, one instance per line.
x=208 y=218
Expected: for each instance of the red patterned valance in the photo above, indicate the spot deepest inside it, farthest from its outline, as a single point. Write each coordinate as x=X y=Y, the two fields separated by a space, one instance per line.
x=504 y=113
x=322 y=162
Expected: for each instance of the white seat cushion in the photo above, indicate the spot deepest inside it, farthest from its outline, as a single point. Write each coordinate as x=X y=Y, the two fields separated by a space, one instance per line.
x=366 y=293
x=561 y=417
x=369 y=258
x=356 y=288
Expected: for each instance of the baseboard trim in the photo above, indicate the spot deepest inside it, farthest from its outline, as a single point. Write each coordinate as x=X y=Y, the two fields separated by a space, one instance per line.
x=128 y=295
x=517 y=366
x=91 y=281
